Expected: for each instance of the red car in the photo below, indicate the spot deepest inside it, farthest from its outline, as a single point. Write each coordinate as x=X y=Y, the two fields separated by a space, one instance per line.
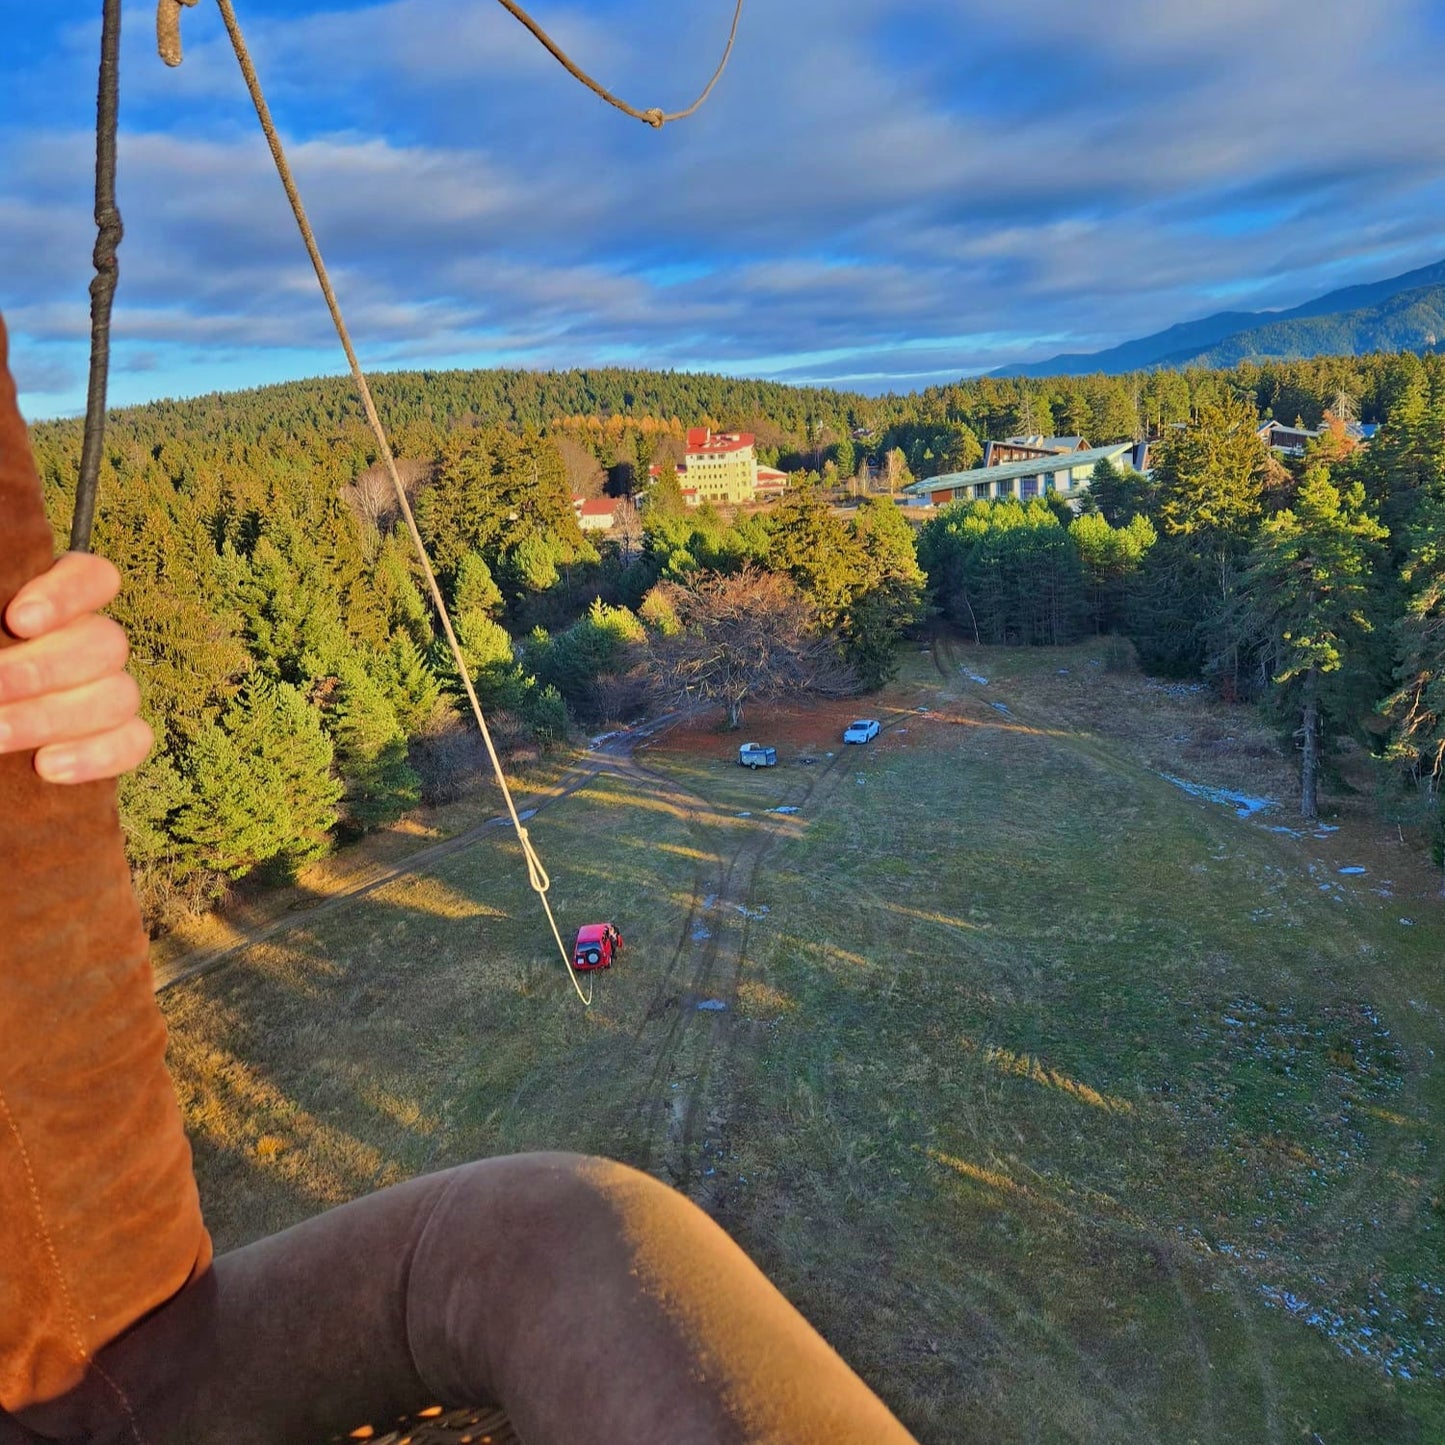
x=597 y=945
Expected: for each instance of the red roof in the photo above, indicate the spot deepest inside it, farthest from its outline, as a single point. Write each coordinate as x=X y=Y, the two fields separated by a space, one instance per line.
x=597 y=507
x=700 y=441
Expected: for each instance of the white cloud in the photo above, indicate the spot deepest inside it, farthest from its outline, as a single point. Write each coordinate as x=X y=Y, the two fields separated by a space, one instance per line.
x=1038 y=168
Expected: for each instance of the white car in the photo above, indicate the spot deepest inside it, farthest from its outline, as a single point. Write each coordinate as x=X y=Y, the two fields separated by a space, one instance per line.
x=864 y=730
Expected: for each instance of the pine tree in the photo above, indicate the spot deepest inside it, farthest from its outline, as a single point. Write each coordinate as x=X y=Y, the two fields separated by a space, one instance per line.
x=474 y=589
x=1110 y=556
x=664 y=497
x=1307 y=589
x=370 y=750
x=888 y=594
x=261 y=786
x=1417 y=706
x=398 y=597
x=411 y=687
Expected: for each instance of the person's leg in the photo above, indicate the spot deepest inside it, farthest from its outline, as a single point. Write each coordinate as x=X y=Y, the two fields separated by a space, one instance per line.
x=595 y=1304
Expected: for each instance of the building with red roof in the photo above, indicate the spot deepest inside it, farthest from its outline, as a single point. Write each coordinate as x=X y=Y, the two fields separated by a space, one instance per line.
x=719 y=466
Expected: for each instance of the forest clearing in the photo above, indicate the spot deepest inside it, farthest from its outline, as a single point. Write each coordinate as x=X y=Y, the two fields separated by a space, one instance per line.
x=1068 y=1105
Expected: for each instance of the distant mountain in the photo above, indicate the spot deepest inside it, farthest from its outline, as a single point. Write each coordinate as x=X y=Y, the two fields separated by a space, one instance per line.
x=1402 y=313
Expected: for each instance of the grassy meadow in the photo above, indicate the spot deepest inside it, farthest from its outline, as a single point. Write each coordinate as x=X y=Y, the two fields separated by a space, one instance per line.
x=1070 y=1106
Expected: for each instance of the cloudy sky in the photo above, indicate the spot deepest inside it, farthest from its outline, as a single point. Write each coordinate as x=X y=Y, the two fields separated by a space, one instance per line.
x=881 y=193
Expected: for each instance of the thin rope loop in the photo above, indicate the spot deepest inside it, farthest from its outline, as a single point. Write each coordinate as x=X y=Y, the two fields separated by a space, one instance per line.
x=656 y=117
x=536 y=874
x=168 y=43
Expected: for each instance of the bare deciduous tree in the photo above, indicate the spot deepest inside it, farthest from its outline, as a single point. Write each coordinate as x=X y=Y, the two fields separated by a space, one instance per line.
x=749 y=635
x=371 y=497
x=586 y=476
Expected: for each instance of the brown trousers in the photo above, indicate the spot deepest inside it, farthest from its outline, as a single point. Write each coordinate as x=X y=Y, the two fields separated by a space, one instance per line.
x=595 y=1304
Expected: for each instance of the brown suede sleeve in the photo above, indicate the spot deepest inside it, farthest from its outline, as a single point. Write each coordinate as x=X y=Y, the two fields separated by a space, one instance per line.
x=99 y=1217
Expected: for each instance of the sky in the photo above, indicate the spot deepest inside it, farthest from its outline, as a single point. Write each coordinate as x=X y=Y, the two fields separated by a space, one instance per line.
x=880 y=194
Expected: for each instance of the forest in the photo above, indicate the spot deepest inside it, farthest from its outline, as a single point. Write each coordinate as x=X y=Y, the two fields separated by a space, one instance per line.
x=292 y=670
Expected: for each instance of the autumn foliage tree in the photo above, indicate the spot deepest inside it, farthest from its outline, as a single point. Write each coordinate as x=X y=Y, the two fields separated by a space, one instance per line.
x=746 y=636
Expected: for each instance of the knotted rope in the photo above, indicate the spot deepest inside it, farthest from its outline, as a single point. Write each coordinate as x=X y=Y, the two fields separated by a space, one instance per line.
x=108 y=232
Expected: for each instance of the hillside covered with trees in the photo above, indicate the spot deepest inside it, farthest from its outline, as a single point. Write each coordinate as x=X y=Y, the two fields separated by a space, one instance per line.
x=293 y=672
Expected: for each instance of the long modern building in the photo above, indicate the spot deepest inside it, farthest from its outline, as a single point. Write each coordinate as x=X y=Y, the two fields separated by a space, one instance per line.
x=1065 y=473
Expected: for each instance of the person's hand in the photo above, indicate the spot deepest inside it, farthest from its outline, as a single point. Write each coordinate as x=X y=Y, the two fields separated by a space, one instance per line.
x=64 y=690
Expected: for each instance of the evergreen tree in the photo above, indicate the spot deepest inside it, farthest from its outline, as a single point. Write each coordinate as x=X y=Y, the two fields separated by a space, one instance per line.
x=813 y=547
x=1209 y=481
x=261 y=790
x=411 y=687
x=474 y=589
x=398 y=598
x=888 y=596
x=370 y=750
x=664 y=496
x=1118 y=493
x=1110 y=557
x=1307 y=589
x=1417 y=706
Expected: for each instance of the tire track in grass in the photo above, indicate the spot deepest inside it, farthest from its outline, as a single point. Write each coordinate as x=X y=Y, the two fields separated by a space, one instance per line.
x=687 y=1093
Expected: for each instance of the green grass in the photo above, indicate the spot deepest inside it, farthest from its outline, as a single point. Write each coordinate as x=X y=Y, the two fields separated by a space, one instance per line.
x=1069 y=1107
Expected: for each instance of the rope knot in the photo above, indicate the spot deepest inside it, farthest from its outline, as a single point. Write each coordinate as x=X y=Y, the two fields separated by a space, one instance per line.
x=168 y=30
x=654 y=117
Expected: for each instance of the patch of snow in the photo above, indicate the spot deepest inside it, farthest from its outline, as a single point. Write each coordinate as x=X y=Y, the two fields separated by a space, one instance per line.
x=1407 y=923
x=999 y=707
x=974 y=677
x=700 y=934
x=1245 y=805
x=1353 y=871
x=743 y=815
x=788 y=809
x=712 y=1005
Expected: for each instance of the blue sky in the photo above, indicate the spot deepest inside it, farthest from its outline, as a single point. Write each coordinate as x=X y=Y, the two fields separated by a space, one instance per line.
x=881 y=193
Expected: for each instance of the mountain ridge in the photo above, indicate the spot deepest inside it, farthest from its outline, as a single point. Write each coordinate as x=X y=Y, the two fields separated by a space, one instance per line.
x=1227 y=334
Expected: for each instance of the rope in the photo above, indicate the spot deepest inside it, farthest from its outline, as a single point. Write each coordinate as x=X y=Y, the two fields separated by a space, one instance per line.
x=536 y=873
x=655 y=117
x=168 y=29
x=108 y=232
x=168 y=42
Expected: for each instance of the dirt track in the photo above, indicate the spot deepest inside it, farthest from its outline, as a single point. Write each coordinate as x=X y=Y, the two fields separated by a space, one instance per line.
x=680 y=1096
